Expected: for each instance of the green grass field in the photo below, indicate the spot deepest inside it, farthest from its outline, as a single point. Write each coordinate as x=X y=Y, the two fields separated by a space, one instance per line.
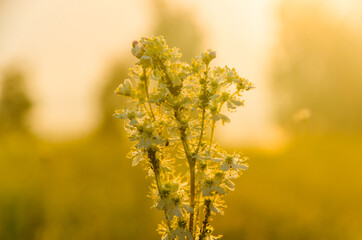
x=86 y=189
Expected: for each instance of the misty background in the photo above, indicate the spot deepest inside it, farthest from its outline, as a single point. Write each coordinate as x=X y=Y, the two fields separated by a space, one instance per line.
x=63 y=171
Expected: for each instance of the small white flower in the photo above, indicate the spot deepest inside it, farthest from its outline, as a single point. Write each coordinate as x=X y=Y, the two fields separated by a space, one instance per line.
x=121 y=114
x=211 y=185
x=175 y=211
x=137 y=157
x=232 y=103
x=125 y=88
x=209 y=158
x=234 y=163
x=182 y=233
x=188 y=208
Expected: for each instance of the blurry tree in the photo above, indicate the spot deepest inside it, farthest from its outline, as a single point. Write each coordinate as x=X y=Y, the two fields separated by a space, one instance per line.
x=14 y=102
x=318 y=68
x=179 y=28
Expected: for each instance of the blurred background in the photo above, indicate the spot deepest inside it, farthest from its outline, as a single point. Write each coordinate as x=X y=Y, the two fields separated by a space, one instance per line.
x=63 y=171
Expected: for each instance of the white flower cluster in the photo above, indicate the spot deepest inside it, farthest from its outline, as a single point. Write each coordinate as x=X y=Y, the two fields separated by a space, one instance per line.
x=175 y=109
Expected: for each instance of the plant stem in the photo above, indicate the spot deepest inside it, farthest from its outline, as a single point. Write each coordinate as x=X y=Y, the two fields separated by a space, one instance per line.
x=175 y=90
x=212 y=134
x=198 y=210
x=158 y=183
x=152 y=154
x=202 y=131
x=147 y=94
x=192 y=196
x=205 y=102
x=206 y=220
x=156 y=170
x=191 y=161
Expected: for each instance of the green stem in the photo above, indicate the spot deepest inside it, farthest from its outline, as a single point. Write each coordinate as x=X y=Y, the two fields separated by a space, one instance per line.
x=192 y=197
x=191 y=161
x=198 y=210
x=156 y=170
x=175 y=91
x=204 y=104
x=158 y=183
x=155 y=162
x=147 y=94
x=212 y=134
x=202 y=131
x=206 y=221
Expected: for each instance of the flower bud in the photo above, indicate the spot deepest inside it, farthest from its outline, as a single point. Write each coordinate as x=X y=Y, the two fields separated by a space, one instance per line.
x=137 y=50
x=134 y=43
x=212 y=54
x=208 y=56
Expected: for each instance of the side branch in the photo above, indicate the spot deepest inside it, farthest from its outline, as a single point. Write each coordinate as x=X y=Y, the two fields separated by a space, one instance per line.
x=155 y=165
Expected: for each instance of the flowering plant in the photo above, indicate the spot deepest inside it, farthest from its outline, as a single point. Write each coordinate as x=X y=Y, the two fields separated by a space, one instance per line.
x=175 y=109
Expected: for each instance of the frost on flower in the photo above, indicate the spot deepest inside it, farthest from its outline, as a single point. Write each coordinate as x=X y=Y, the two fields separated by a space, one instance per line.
x=174 y=108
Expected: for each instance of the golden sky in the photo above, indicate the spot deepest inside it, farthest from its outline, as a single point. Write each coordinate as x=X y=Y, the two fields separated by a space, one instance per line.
x=67 y=46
